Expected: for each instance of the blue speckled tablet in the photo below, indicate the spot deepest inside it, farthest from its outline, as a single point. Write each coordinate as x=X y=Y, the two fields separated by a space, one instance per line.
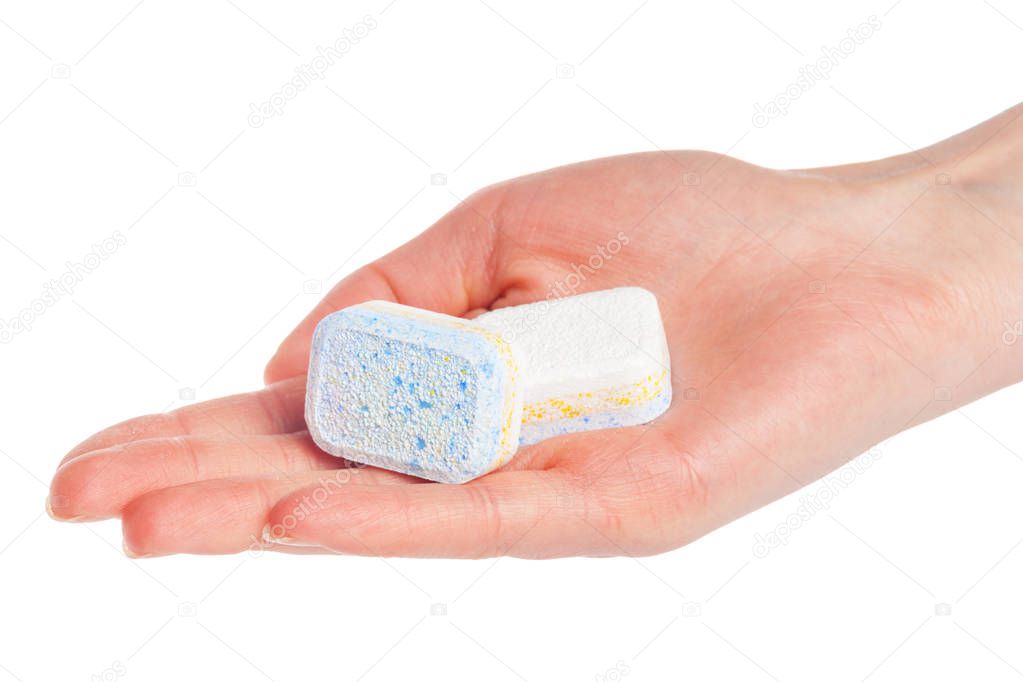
x=413 y=391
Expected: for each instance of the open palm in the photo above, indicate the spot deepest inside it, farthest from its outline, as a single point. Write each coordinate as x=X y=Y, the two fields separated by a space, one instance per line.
x=809 y=315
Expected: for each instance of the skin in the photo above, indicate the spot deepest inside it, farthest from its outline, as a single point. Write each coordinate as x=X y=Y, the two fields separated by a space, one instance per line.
x=810 y=314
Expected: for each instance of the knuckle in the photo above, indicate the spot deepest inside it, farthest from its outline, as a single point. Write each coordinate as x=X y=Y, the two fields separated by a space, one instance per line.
x=486 y=509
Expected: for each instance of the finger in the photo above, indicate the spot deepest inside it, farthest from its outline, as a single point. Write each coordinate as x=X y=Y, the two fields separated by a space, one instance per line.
x=278 y=408
x=450 y=268
x=98 y=484
x=521 y=513
x=227 y=515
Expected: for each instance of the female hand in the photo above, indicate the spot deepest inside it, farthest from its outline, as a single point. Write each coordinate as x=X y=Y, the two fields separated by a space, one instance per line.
x=809 y=315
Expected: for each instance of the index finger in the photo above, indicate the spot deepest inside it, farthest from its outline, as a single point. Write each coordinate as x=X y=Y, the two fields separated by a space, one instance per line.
x=450 y=268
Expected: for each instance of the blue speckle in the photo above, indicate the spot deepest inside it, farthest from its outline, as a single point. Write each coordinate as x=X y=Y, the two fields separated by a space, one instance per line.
x=449 y=400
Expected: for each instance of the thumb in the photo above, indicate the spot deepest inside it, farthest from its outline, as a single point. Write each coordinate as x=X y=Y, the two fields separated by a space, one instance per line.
x=450 y=268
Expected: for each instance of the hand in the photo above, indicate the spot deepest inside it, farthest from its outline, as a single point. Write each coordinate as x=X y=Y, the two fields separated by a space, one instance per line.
x=810 y=314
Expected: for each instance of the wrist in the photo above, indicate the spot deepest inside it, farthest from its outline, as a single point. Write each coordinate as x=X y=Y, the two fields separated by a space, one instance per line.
x=974 y=198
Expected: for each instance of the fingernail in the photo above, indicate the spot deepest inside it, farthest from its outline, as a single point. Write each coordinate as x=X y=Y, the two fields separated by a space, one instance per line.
x=130 y=553
x=65 y=519
x=272 y=537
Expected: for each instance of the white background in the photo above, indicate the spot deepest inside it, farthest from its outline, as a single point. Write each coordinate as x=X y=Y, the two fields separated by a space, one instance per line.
x=106 y=110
